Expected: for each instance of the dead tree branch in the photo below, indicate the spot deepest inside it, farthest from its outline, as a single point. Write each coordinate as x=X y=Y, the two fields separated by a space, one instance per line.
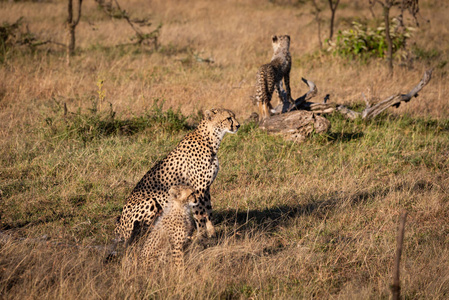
x=371 y=112
x=368 y=113
x=297 y=121
x=396 y=286
x=140 y=38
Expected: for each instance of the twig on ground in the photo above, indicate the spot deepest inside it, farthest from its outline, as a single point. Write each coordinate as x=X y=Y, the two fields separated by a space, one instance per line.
x=396 y=286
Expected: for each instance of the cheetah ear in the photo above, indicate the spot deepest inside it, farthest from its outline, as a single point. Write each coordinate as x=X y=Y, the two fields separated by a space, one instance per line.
x=274 y=38
x=174 y=192
x=209 y=114
x=288 y=37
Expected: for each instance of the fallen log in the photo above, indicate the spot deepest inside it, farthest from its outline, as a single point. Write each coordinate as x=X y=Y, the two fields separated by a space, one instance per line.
x=296 y=125
x=296 y=121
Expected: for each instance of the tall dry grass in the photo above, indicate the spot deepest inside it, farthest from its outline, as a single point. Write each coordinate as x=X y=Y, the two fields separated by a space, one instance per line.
x=316 y=220
x=236 y=35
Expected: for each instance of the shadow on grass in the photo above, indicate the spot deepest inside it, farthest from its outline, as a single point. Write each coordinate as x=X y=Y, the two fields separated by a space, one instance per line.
x=25 y=223
x=269 y=219
x=344 y=136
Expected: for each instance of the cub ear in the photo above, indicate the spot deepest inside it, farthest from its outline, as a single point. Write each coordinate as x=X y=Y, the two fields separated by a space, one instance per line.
x=274 y=38
x=208 y=114
x=174 y=192
x=288 y=37
x=188 y=193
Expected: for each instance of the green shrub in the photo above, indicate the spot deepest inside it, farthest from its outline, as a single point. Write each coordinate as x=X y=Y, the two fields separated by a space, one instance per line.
x=364 y=42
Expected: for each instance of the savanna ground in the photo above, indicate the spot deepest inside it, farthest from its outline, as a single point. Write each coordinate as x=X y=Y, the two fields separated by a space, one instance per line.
x=310 y=220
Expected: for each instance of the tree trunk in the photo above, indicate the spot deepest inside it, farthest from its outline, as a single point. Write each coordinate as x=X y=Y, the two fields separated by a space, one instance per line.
x=71 y=25
x=386 y=12
x=71 y=42
x=333 y=8
x=318 y=21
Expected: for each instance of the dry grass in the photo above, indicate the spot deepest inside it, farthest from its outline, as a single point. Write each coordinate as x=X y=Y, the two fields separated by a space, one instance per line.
x=316 y=220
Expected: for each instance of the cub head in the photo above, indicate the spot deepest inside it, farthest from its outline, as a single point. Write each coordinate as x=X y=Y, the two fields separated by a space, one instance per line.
x=222 y=120
x=182 y=194
x=280 y=42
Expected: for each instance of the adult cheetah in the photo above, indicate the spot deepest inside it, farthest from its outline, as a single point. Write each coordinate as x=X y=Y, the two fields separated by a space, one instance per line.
x=193 y=162
x=270 y=76
x=172 y=229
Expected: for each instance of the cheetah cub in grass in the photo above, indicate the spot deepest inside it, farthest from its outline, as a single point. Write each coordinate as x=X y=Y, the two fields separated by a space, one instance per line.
x=270 y=76
x=173 y=229
x=193 y=162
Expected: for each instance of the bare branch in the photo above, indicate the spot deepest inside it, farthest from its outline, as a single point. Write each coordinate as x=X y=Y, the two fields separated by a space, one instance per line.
x=126 y=17
x=366 y=100
x=368 y=113
x=348 y=113
x=140 y=37
x=70 y=12
x=80 y=2
x=395 y=100
x=396 y=287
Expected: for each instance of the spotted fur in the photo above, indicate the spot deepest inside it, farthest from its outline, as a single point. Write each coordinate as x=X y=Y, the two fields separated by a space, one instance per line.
x=193 y=162
x=172 y=229
x=270 y=75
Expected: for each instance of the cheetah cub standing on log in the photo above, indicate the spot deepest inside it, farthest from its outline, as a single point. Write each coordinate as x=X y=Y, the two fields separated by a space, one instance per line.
x=271 y=75
x=173 y=228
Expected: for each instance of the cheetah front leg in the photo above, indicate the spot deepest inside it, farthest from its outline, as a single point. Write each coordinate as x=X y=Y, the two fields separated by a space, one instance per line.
x=282 y=94
x=202 y=213
x=264 y=110
x=287 y=87
x=210 y=229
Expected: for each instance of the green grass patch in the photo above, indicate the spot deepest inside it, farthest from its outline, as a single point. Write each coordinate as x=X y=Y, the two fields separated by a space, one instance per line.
x=88 y=126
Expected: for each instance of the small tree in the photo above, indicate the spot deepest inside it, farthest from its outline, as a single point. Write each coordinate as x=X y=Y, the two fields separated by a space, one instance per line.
x=317 y=12
x=71 y=25
x=413 y=8
x=333 y=4
x=386 y=5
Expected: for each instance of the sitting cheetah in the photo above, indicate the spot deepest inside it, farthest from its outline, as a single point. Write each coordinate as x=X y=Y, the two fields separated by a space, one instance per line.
x=270 y=76
x=173 y=228
x=193 y=162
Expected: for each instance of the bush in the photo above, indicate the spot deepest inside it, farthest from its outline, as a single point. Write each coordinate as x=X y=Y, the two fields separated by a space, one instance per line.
x=364 y=42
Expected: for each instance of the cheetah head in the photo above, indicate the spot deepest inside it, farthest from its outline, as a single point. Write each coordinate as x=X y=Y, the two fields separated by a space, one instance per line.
x=222 y=120
x=182 y=193
x=280 y=42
